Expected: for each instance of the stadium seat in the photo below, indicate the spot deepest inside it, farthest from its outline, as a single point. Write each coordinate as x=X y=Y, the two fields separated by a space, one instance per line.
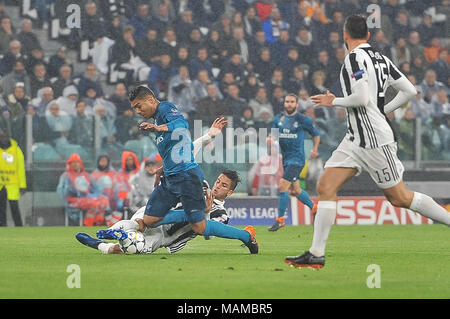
x=43 y=152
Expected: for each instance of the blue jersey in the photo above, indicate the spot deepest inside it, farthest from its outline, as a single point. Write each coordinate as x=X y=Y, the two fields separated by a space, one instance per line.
x=292 y=135
x=175 y=146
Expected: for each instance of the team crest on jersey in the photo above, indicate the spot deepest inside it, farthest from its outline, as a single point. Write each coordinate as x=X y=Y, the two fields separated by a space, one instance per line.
x=295 y=124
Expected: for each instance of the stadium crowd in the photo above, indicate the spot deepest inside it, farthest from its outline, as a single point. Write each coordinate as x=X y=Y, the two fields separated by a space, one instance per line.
x=234 y=58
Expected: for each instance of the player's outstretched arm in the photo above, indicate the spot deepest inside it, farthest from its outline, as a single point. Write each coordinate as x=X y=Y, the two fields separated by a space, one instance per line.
x=406 y=91
x=214 y=130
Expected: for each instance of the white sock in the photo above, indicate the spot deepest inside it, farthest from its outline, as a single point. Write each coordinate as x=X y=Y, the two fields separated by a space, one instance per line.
x=426 y=206
x=326 y=213
x=104 y=247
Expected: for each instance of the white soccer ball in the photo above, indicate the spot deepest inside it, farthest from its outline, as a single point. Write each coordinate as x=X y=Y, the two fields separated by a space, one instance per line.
x=133 y=244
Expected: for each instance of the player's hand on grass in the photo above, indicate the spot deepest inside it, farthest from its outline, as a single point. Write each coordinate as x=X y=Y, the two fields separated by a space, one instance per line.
x=217 y=126
x=323 y=99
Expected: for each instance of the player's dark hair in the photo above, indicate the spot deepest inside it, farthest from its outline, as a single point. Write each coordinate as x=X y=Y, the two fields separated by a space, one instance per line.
x=292 y=94
x=356 y=26
x=233 y=176
x=139 y=93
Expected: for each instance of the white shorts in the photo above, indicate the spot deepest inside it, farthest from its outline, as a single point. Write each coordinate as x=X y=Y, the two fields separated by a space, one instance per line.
x=381 y=163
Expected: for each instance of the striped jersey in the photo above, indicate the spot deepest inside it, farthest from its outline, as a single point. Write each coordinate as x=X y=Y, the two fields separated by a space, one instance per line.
x=368 y=126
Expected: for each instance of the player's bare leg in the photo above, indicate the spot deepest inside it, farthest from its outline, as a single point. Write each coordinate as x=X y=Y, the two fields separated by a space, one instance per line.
x=400 y=196
x=149 y=221
x=329 y=184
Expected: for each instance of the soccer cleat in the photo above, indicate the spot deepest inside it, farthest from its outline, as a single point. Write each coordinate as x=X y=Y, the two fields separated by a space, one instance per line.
x=279 y=222
x=306 y=260
x=314 y=212
x=117 y=234
x=252 y=245
x=87 y=240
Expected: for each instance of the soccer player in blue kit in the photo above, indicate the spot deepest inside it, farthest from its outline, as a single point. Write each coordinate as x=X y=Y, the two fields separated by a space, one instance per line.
x=182 y=178
x=292 y=127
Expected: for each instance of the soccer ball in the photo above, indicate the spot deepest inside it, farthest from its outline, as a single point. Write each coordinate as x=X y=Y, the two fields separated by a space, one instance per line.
x=133 y=244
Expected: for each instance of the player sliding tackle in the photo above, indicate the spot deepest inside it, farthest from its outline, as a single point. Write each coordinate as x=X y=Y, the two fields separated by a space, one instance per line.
x=175 y=234
x=182 y=177
x=369 y=143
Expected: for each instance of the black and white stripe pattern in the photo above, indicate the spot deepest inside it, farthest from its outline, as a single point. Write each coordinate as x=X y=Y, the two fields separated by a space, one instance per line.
x=391 y=162
x=367 y=125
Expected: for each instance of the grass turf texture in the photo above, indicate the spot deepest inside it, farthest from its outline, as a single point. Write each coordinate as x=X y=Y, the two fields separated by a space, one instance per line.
x=414 y=262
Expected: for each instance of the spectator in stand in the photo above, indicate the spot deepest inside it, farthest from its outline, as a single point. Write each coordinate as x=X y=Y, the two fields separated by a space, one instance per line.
x=39 y=79
x=200 y=84
x=268 y=171
x=319 y=27
x=7 y=34
x=113 y=29
x=161 y=19
x=195 y=41
x=440 y=106
x=184 y=26
x=324 y=64
x=298 y=80
x=182 y=57
x=56 y=61
x=18 y=74
x=250 y=86
x=318 y=79
x=224 y=27
x=441 y=66
x=44 y=97
x=261 y=103
x=233 y=65
x=427 y=30
x=63 y=81
x=180 y=92
x=129 y=167
x=28 y=39
x=430 y=86
x=234 y=102
x=304 y=42
x=17 y=102
x=400 y=52
x=421 y=108
x=141 y=21
x=110 y=145
x=147 y=49
x=256 y=44
x=120 y=98
x=212 y=106
x=381 y=43
x=159 y=76
x=334 y=43
x=81 y=194
x=279 y=49
x=9 y=59
x=251 y=21
x=90 y=78
x=201 y=62
x=277 y=99
x=239 y=45
x=37 y=57
x=416 y=49
x=82 y=130
x=273 y=25
x=127 y=124
x=143 y=181
x=406 y=141
x=431 y=52
x=277 y=79
x=290 y=61
x=169 y=43
x=401 y=25
x=337 y=126
x=59 y=123
x=216 y=52
x=304 y=101
x=207 y=13
x=418 y=68
x=94 y=27
x=67 y=102
x=264 y=65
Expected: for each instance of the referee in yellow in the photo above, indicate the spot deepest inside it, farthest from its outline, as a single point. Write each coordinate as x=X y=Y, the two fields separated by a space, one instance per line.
x=12 y=177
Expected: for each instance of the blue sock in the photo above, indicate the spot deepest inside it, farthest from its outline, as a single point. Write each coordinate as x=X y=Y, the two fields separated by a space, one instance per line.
x=304 y=198
x=283 y=203
x=214 y=228
x=173 y=216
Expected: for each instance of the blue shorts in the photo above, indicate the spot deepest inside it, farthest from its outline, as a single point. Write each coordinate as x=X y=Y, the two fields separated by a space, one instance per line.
x=291 y=173
x=185 y=187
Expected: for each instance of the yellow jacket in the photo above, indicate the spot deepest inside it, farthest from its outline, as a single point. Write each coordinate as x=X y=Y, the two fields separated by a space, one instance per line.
x=12 y=170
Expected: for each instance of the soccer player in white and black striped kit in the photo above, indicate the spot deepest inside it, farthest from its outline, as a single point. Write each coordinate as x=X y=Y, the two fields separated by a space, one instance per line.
x=369 y=144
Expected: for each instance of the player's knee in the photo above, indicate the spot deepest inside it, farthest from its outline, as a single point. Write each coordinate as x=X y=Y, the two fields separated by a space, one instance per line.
x=325 y=189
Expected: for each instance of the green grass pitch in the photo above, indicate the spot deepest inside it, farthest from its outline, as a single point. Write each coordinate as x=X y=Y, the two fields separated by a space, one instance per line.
x=414 y=263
